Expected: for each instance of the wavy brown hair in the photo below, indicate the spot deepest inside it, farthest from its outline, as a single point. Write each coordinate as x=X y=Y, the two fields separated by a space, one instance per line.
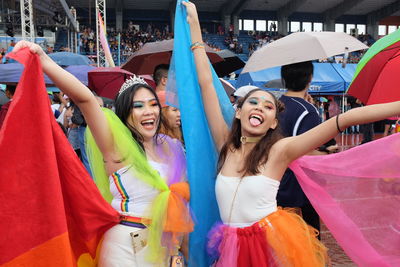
x=259 y=154
x=167 y=129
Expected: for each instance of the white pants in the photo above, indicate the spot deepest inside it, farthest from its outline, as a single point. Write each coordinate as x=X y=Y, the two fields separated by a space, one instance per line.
x=117 y=250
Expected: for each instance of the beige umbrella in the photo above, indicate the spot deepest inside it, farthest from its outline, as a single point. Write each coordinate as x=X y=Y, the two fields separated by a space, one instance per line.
x=302 y=46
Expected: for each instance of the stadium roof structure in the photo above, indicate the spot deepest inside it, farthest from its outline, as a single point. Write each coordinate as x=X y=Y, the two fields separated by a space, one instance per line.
x=331 y=8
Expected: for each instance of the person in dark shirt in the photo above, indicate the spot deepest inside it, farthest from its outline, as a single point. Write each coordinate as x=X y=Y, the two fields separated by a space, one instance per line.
x=79 y=120
x=367 y=129
x=298 y=117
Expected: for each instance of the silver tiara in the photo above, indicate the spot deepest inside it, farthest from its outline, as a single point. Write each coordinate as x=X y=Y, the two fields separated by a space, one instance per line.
x=131 y=82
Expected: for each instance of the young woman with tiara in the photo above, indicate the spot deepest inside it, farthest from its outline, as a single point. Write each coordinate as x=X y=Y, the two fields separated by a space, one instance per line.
x=140 y=172
x=252 y=159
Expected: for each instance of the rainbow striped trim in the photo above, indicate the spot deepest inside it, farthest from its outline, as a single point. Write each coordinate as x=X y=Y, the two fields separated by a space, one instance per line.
x=125 y=198
x=132 y=221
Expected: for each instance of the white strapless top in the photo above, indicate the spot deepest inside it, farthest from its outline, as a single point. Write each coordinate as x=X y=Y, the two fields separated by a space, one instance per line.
x=132 y=196
x=255 y=198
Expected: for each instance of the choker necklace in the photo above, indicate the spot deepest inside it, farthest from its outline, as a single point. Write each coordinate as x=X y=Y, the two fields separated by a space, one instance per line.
x=246 y=139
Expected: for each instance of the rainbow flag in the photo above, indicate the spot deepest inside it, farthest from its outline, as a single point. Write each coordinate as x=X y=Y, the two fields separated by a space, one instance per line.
x=51 y=212
x=104 y=43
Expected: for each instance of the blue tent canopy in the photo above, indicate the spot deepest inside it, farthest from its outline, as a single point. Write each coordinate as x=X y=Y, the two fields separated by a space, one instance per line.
x=347 y=73
x=327 y=79
x=259 y=78
x=68 y=58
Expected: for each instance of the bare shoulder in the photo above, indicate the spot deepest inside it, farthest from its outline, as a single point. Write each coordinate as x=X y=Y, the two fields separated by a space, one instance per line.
x=278 y=151
x=113 y=162
x=278 y=159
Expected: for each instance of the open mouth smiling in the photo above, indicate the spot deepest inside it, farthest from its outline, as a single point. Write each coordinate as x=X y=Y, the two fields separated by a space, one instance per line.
x=256 y=119
x=148 y=124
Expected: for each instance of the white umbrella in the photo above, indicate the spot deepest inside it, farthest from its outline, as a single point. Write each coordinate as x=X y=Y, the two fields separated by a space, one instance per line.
x=302 y=46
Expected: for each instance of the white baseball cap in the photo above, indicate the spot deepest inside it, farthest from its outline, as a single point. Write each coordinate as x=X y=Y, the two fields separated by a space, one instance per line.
x=244 y=90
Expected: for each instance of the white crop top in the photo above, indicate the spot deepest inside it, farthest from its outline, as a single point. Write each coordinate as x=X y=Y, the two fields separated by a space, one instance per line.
x=255 y=198
x=132 y=196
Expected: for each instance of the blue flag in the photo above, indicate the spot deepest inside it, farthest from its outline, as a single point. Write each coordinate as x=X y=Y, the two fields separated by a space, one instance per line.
x=183 y=91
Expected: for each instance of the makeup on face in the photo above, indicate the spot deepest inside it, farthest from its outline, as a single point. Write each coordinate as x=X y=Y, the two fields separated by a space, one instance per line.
x=141 y=103
x=258 y=106
x=256 y=100
x=145 y=113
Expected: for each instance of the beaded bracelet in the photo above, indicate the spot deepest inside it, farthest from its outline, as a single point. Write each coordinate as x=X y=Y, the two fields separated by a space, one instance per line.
x=197 y=45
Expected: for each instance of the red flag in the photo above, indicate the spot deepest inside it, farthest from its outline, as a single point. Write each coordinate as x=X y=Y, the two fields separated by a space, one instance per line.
x=51 y=213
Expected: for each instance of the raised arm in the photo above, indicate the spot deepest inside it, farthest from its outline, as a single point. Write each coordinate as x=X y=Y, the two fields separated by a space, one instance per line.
x=300 y=145
x=215 y=119
x=80 y=94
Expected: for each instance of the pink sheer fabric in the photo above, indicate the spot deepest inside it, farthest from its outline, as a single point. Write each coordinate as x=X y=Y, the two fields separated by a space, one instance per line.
x=357 y=195
x=229 y=248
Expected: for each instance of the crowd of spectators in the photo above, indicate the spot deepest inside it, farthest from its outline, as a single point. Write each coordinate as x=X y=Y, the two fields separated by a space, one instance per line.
x=87 y=41
x=132 y=39
x=233 y=44
x=261 y=39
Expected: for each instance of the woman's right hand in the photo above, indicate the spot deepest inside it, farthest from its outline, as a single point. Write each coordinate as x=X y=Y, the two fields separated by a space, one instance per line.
x=34 y=48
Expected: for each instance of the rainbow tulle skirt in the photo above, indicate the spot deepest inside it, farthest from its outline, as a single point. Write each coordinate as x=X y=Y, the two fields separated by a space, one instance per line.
x=280 y=239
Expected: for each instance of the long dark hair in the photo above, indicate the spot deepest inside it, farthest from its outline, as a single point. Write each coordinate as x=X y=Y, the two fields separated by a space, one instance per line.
x=123 y=109
x=259 y=154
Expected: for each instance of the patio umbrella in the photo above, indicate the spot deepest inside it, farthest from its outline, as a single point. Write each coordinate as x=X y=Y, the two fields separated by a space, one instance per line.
x=302 y=46
x=52 y=89
x=231 y=62
x=322 y=99
x=229 y=89
x=68 y=58
x=149 y=79
x=377 y=74
x=80 y=72
x=106 y=82
x=152 y=54
x=11 y=73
